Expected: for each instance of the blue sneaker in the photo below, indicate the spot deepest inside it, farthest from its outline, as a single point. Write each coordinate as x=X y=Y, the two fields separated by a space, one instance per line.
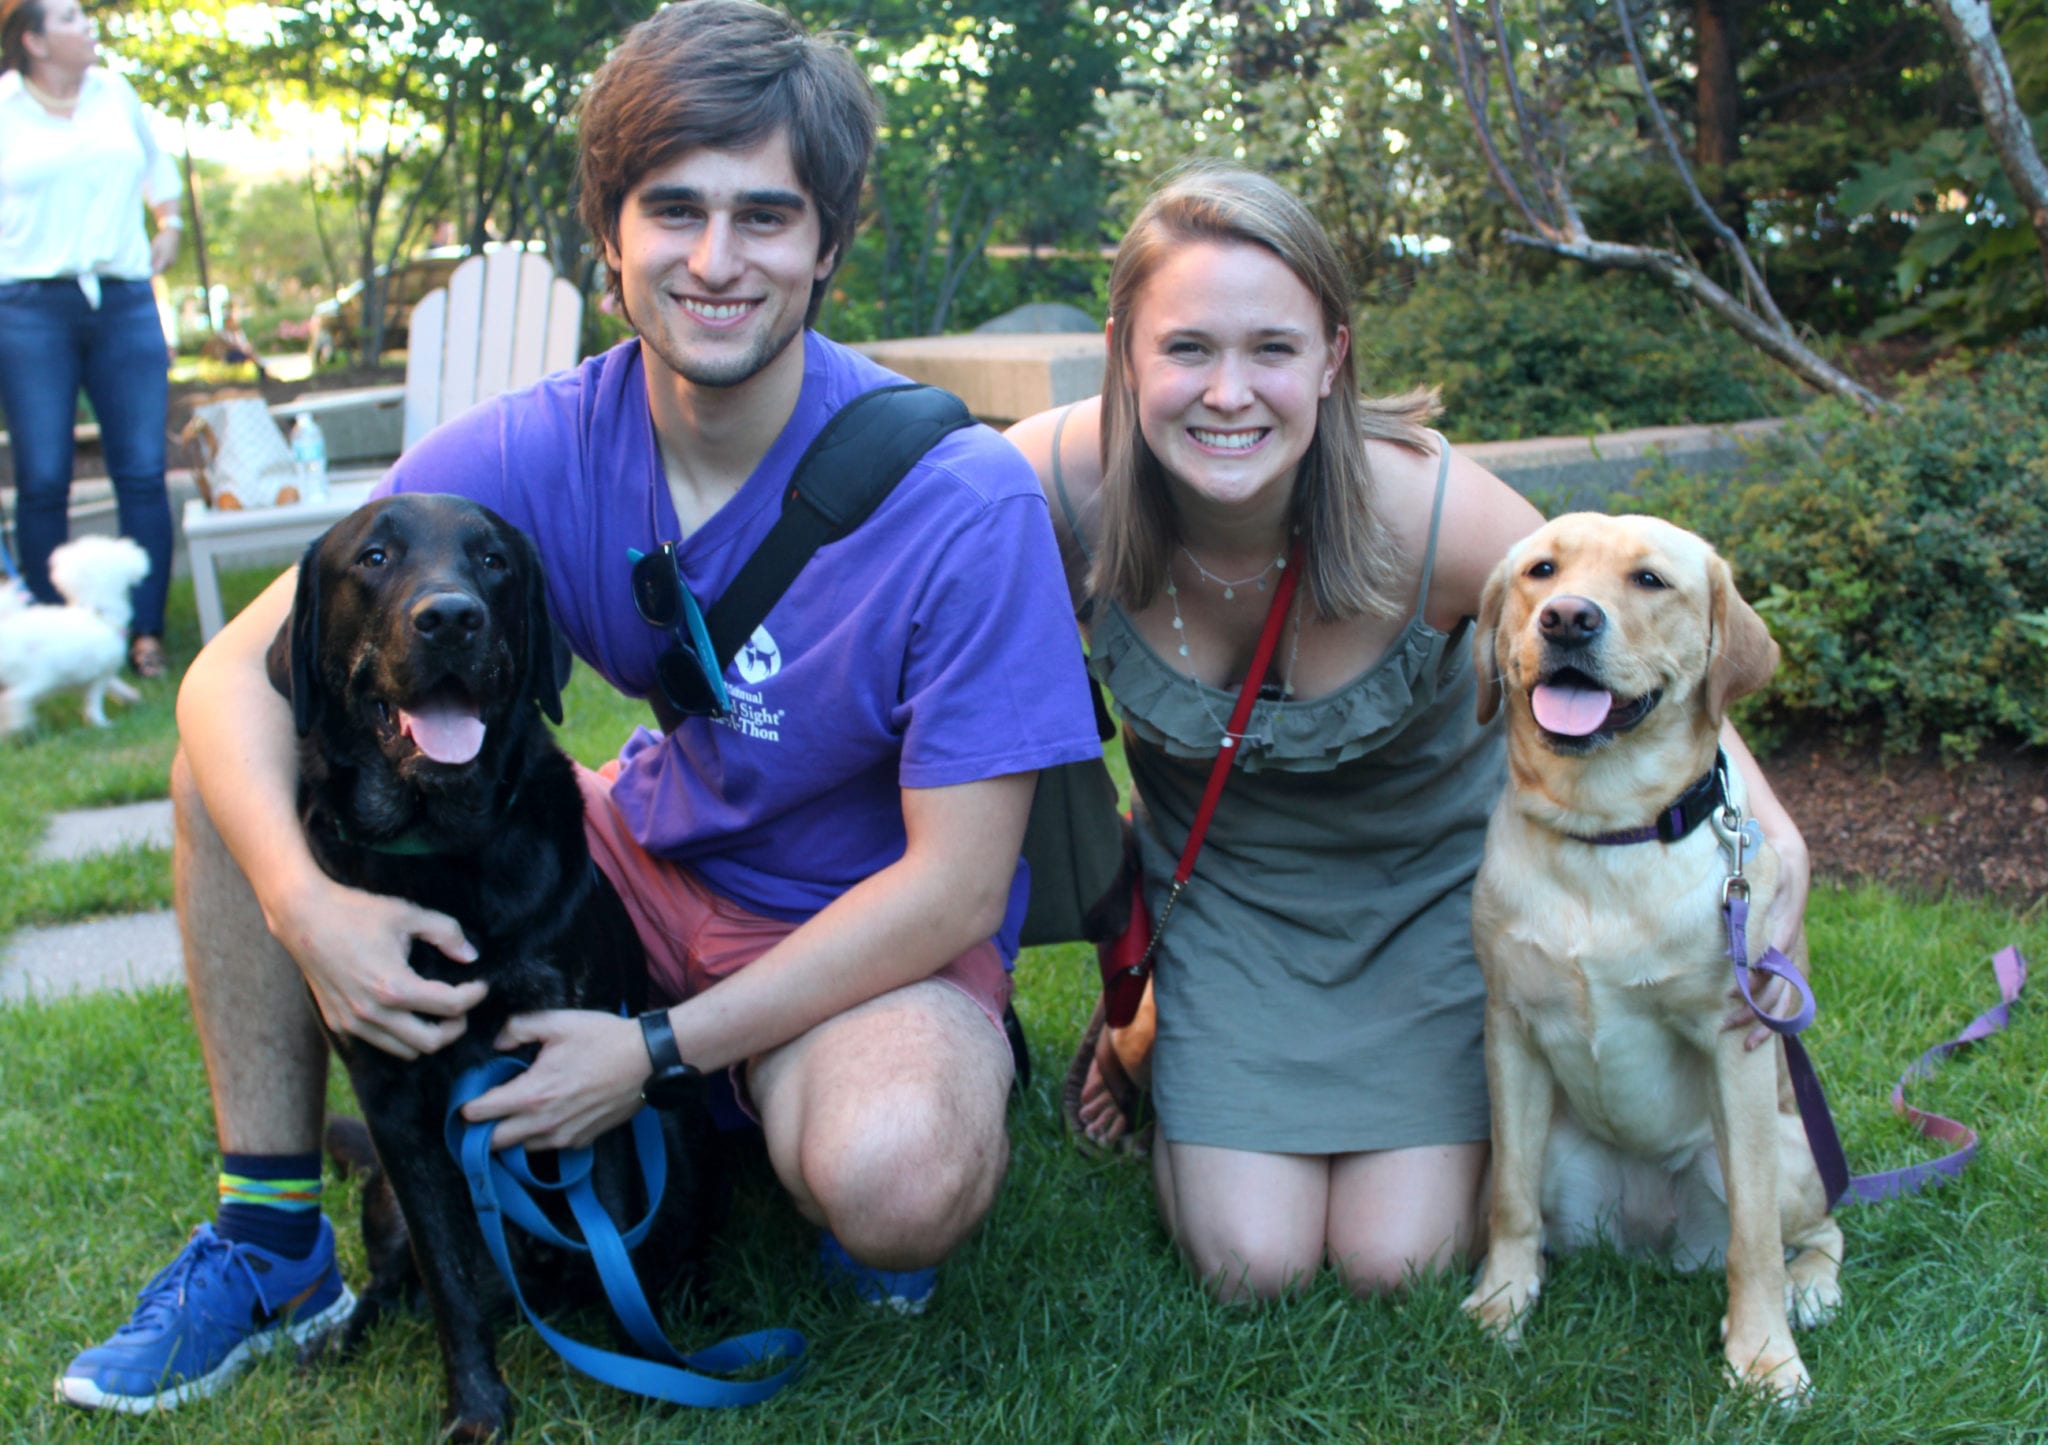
x=907 y=1292
x=214 y=1309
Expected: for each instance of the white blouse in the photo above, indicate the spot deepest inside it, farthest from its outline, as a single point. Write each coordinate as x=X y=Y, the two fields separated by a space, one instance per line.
x=72 y=187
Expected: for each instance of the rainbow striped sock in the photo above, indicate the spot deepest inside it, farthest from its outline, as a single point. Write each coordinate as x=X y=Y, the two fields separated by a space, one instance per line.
x=271 y=1201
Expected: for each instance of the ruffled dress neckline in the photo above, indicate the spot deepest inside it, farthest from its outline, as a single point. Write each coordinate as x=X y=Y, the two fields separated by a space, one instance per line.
x=1166 y=708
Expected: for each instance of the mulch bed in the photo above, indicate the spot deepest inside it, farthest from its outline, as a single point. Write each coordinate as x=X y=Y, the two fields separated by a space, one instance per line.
x=1978 y=828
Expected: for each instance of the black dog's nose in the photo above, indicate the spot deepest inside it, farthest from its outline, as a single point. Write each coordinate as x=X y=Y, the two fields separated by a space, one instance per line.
x=1571 y=621
x=448 y=616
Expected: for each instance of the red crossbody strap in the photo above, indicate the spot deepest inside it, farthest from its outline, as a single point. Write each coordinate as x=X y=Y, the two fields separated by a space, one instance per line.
x=1262 y=658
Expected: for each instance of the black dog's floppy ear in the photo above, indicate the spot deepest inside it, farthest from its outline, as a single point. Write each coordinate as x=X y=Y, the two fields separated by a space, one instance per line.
x=294 y=659
x=547 y=651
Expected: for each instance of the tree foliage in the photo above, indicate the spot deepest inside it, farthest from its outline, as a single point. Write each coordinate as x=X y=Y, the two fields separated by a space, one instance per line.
x=987 y=107
x=1841 y=143
x=1972 y=263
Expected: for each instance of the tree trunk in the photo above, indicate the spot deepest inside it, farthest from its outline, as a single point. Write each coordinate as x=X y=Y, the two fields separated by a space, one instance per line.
x=1717 y=139
x=199 y=240
x=1968 y=23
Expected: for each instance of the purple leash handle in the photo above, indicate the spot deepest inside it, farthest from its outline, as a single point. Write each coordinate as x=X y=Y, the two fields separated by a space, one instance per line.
x=2010 y=969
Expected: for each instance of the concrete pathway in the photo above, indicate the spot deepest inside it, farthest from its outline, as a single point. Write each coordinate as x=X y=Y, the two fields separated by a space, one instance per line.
x=101 y=830
x=135 y=951
x=138 y=950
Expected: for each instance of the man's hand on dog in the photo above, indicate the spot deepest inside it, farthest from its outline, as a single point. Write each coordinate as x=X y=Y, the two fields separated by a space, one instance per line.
x=585 y=1080
x=352 y=948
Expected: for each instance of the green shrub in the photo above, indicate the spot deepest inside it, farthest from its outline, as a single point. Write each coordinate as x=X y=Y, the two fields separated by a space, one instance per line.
x=1900 y=560
x=1568 y=354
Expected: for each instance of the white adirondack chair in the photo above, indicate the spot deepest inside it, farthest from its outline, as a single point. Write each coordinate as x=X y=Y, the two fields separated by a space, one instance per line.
x=503 y=321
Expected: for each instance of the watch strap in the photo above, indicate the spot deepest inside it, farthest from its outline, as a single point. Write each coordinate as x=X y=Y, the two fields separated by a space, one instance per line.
x=660 y=1037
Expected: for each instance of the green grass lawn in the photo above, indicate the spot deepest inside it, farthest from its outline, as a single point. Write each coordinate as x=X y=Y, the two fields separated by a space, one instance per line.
x=1068 y=1318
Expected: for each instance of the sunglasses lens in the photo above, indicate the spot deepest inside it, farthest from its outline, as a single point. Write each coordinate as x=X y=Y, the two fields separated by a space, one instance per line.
x=685 y=671
x=683 y=679
x=657 y=591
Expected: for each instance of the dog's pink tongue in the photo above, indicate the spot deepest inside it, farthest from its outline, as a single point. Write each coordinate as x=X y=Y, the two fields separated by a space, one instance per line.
x=444 y=733
x=1570 y=711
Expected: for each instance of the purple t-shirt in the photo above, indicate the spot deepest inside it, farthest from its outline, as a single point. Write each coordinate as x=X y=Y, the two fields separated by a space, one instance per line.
x=934 y=645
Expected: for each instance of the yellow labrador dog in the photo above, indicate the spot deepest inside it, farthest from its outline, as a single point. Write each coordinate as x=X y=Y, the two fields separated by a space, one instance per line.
x=1622 y=1108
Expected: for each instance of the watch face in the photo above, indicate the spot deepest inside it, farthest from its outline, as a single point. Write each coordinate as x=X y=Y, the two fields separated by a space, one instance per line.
x=671 y=1087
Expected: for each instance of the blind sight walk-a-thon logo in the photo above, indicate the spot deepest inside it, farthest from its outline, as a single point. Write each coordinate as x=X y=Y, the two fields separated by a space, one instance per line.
x=760 y=658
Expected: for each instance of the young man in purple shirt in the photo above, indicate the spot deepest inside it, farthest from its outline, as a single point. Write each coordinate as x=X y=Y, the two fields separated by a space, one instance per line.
x=838 y=855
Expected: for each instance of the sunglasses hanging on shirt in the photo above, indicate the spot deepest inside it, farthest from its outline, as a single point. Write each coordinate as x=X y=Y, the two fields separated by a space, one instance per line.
x=843 y=475
x=688 y=672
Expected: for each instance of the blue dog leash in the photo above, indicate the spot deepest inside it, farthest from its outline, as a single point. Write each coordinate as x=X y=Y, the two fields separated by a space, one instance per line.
x=498 y=1184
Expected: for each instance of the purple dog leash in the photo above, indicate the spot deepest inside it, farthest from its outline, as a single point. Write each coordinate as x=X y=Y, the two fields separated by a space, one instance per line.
x=1707 y=801
x=2010 y=969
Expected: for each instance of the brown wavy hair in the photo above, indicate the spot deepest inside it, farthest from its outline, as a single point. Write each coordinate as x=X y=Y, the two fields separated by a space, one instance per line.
x=727 y=74
x=1352 y=565
x=19 y=19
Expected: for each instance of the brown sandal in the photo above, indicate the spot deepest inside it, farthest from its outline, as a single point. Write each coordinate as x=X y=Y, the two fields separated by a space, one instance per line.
x=146 y=657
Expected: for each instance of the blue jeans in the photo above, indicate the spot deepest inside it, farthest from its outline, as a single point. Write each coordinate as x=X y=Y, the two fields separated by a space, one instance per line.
x=51 y=344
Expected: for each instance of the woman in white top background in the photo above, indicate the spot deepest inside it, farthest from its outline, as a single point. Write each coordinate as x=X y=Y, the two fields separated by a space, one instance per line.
x=77 y=161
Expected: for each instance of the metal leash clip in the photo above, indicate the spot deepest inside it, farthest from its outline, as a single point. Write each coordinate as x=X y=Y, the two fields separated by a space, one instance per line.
x=1729 y=828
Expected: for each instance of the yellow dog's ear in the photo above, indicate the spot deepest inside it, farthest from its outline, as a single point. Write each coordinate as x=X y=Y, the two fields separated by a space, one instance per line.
x=1486 y=659
x=1741 y=652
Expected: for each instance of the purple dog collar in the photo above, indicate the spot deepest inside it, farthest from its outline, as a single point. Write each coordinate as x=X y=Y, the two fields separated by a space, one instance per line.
x=1690 y=809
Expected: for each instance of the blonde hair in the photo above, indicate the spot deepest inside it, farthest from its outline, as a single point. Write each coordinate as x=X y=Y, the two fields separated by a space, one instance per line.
x=1352 y=564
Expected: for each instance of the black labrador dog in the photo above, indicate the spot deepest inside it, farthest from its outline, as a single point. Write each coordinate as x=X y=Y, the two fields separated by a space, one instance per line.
x=419 y=658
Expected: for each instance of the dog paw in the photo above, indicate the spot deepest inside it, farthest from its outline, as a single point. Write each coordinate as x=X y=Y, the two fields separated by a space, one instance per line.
x=1813 y=1302
x=1772 y=1370
x=482 y=1417
x=477 y=1430
x=1499 y=1306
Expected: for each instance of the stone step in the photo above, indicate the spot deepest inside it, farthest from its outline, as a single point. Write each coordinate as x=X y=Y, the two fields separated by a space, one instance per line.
x=88 y=831
x=137 y=951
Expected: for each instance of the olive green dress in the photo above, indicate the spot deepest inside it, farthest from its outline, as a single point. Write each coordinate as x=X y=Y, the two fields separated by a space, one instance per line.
x=1316 y=987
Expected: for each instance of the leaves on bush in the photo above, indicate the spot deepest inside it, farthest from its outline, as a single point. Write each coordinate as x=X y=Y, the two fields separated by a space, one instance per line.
x=1901 y=561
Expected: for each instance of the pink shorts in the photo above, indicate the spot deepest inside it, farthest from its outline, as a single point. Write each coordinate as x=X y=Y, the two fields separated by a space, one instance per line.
x=694 y=938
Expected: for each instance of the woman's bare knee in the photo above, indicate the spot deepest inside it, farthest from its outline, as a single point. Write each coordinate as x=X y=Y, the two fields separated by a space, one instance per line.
x=1384 y=1266
x=1399 y=1214
x=1250 y=1271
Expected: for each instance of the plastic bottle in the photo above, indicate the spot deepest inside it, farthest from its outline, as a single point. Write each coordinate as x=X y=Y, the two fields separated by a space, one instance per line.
x=309 y=453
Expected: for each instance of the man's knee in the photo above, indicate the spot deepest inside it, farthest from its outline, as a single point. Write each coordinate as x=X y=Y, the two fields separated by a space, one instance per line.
x=193 y=836
x=903 y=1180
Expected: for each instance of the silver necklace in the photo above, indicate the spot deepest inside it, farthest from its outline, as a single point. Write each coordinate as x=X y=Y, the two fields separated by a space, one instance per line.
x=1229 y=587
x=1180 y=632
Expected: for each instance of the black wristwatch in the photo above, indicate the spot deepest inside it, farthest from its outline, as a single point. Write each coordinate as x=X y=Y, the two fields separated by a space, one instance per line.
x=672 y=1081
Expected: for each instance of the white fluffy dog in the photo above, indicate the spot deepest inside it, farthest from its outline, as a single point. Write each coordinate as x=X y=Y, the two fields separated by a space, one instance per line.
x=82 y=644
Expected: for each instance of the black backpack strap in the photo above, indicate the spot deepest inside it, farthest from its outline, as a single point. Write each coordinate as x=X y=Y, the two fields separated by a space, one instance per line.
x=864 y=451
